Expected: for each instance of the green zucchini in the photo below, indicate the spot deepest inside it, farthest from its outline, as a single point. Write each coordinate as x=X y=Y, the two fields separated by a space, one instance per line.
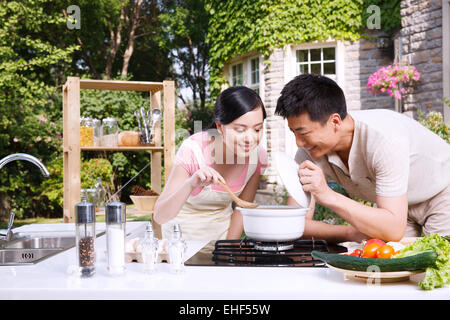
x=416 y=262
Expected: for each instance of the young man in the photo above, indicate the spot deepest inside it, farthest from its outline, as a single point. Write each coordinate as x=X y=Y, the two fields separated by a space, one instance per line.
x=377 y=155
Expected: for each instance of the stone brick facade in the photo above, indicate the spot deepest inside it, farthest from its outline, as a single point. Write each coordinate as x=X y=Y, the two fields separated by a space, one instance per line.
x=421 y=37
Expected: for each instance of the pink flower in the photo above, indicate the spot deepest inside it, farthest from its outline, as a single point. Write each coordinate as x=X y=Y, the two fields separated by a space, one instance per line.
x=16 y=139
x=38 y=139
x=398 y=95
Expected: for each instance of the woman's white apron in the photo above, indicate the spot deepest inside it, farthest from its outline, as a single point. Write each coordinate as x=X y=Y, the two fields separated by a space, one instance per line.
x=206 y=216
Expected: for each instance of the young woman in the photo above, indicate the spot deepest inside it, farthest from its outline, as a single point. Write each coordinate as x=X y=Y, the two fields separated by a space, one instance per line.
x=228 y=152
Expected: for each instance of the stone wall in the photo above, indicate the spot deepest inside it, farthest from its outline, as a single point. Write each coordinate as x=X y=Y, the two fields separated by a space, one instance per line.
x=361 y=59
x=273 y=84
x=421 y=37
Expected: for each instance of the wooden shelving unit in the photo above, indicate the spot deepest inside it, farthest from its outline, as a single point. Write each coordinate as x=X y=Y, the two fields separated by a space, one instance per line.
x=71 y=134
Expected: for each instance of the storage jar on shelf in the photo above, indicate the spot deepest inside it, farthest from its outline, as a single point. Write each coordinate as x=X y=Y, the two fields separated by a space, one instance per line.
x=110 y=132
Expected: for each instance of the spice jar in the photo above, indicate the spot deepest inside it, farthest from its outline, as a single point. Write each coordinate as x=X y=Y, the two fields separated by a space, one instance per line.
x=86 y=132
x=101 y=193
x=177 y=249
x=115 y=236
x=97 y=132
x=149 y=246
x=110 y=132
x=85 y=237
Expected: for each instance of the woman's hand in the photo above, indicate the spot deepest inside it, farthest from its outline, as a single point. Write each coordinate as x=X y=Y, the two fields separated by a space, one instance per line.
x=204 y=177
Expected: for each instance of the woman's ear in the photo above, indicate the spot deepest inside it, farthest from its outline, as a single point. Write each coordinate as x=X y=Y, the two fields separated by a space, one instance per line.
x=219 y=127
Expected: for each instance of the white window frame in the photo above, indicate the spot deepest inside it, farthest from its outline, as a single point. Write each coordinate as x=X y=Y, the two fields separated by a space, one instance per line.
x=290 y=72
x=251 y=84
x=232 y=77
x=321 y=61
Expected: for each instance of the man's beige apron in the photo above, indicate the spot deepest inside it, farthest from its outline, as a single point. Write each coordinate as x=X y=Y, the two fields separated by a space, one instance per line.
x=206 y=216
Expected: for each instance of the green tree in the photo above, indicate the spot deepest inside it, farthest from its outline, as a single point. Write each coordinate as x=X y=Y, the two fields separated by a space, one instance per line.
x=185 y=27
x=29 y=121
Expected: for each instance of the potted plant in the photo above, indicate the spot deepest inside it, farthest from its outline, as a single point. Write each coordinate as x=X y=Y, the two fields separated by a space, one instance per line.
x=388 y=79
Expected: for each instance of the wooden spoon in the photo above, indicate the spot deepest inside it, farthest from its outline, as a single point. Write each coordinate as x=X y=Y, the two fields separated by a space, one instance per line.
x=239 y=202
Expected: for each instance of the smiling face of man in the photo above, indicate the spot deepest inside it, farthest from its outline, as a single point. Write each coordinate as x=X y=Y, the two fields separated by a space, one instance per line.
x=317 y=138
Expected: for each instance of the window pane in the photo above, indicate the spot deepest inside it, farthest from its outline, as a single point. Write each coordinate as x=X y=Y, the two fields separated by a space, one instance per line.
x=254 y=72
x=302 y=55
x=303 y=68
x=328 y=54
x=315 y=54
x=329 y=68
x=315 y=68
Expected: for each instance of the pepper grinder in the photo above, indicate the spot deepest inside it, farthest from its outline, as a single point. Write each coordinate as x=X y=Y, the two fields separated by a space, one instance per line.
x=115 y=213
x=85 y=237
x=177 y=248
x=149 y=247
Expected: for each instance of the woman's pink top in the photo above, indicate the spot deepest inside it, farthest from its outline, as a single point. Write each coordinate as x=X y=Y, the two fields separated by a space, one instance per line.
x=186 y=158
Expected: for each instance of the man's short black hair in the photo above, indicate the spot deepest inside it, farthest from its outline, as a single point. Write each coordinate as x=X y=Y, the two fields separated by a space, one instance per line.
x=317 y=95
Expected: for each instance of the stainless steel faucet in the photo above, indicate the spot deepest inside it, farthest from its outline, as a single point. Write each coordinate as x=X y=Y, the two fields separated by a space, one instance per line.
x=13 y=157
x=27 y=157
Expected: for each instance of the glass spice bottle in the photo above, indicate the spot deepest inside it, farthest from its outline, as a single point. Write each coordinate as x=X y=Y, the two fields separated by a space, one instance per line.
x=177 y=249
x=101 y=193
x=149 y=247
x=85 y=237
x=115 y=213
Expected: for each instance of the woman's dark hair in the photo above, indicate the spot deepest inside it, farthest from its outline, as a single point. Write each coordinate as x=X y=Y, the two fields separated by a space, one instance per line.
x=233 y=103
x=317 y=95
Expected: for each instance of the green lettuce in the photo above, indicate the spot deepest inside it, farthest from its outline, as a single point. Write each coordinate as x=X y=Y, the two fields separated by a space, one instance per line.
x=438 y=275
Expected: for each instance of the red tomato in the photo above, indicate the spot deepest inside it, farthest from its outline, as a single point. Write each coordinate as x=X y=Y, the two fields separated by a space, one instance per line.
x=370 y=251
x=356 y=253
x=380 y=242
x=385 y=252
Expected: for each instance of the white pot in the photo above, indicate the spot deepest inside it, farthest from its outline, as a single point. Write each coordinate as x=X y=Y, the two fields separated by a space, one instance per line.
x=274 y=223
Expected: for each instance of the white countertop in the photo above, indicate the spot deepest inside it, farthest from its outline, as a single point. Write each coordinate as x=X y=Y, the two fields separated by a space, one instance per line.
x=52 y=279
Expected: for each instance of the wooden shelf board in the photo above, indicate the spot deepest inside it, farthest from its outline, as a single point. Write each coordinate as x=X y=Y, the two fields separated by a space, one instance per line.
x=151 y=148
x=121 y=85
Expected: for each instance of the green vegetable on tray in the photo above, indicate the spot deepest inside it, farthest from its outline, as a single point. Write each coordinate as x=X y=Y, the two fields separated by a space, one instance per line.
x=438 y=274
x=411 y=263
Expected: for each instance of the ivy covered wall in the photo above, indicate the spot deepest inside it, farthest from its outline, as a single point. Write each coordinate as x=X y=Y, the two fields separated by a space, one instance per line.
x=240 y=26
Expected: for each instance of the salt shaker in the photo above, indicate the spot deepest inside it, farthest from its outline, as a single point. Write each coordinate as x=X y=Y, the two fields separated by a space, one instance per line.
x=177 y=248
x=115 y=213
x=85 y=237
x=149 y=246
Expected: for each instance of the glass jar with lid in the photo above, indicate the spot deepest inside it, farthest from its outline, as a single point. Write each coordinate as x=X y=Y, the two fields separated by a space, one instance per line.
x=87 y=132
x=97 y=132
x=110 y=132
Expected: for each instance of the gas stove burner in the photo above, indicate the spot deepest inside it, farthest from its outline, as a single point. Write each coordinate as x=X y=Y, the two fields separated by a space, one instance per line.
x=272 y=246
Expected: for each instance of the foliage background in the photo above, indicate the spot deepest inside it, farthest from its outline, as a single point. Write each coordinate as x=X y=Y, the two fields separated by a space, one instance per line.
x=150 y=40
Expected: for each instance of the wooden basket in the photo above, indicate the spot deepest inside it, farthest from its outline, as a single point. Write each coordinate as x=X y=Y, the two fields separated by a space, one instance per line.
x=144 y=203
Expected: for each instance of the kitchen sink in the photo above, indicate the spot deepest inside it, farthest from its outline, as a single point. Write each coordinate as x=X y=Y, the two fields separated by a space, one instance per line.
x=41 y=243
x=33 y=249
x=15 y=257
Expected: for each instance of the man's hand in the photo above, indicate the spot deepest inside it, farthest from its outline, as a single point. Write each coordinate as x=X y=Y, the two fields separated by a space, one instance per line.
x=313 y=181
